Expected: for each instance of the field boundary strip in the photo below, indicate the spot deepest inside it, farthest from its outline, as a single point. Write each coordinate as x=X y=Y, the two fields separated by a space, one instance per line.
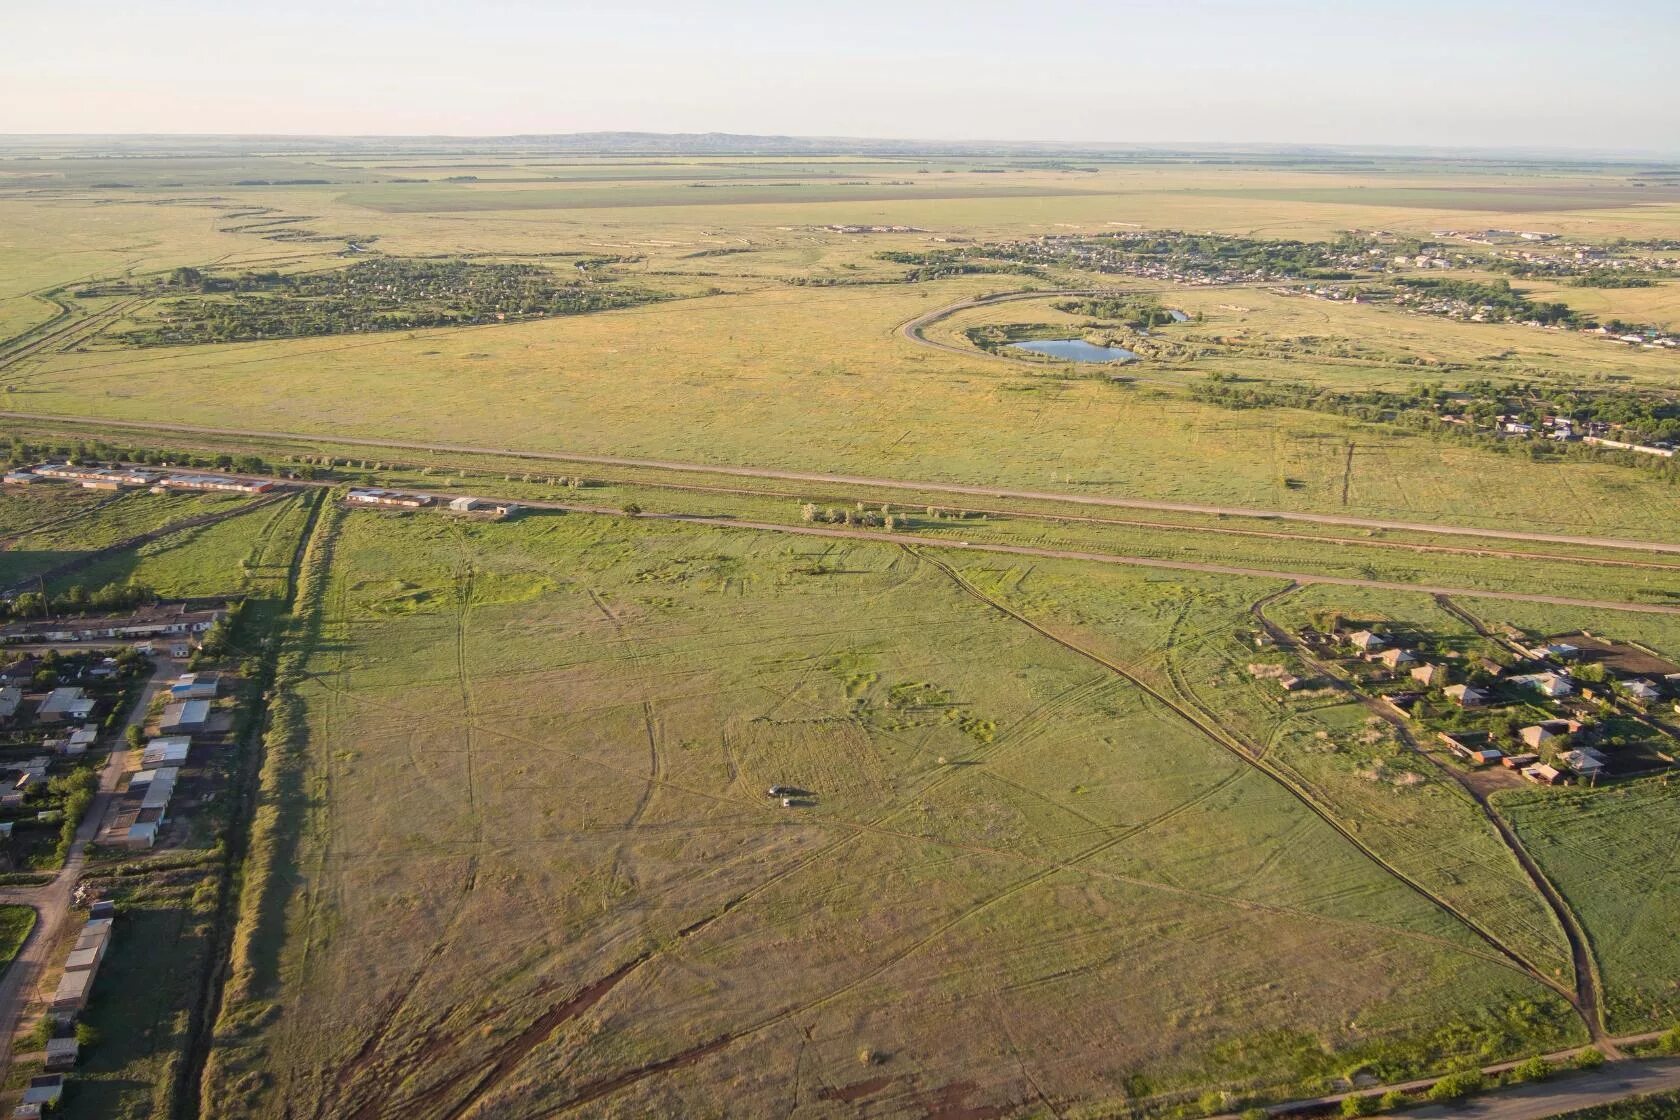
x=857 y=480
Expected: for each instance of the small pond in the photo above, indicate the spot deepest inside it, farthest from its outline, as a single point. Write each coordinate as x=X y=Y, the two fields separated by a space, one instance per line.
x=1075 y=350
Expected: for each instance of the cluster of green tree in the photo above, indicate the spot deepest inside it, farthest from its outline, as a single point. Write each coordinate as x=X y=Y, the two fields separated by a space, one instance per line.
x=1497 y=298
x=20 y=452
x=73 y=793
x=1637 y=416
x=883 y=518
x=383 y=294
x=1138 y=312
x=937 y=264
x=1421 y=409
x=217 y=641
x=1610 y=278
x=1214 y=256
x=110 y=598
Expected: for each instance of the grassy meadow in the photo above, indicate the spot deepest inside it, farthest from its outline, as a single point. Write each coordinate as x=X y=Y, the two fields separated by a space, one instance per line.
x=539 y=752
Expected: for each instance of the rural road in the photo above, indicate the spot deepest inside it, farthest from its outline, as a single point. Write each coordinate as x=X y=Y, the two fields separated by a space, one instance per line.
x=1564 y=1091
x=52 y=902
x=863 y=481
x=913 y=329
x=1613 y=1082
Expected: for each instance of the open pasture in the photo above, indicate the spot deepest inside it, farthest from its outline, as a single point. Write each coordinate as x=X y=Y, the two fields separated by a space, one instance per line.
x=538 y=753
x=1612 y=854
x=818 y=378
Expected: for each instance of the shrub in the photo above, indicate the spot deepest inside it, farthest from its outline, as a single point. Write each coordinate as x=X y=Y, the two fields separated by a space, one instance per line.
x=1589 y=1059
x=1669 y=1043
x=1359 y=1106
x=1394 y=1098
x=1534 y=1069
x=1455 y=1086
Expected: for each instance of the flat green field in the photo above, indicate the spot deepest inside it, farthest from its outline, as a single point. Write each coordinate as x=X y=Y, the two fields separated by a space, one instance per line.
x=540 y=751
x=1613 y=853
x=721 y=380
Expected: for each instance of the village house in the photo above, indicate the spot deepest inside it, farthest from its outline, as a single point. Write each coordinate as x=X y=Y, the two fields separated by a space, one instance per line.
x=1394 y=658
x=44 y=1091
x=1430 y=676
x=1543 y=774
x=1540 y=734
x=1366 y=642
x=1554 y=685
x=1582 y=762
x=78 y=742
x=66 y=703
x=62 y=1053
x=1519 y=761
x=1643 y=691
x=1465 y=696
x=11 y=698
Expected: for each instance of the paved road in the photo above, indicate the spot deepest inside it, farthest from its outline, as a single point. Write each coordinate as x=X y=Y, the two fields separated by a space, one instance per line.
x=861 y=480
x=52 y=902
x=1613 y=1082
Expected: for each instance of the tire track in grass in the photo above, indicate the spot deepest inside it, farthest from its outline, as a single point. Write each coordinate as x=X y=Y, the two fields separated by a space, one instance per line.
x=1585 y=995
x=551 y=1022
x=366 y=1055
x=1045 y=867
x=1223 y=739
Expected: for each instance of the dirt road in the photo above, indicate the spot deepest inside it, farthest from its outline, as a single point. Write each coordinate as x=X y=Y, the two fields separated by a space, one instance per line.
x=52 y=902
x=1586 y=996
x=862 y=481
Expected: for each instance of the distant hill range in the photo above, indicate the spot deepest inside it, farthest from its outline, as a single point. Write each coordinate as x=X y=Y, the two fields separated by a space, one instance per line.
x=739 y=144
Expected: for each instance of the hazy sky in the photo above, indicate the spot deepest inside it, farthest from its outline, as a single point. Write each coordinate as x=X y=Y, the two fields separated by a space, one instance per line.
x=1446 y=72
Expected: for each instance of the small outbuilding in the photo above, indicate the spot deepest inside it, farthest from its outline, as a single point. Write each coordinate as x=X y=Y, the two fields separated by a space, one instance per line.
x=184 y=717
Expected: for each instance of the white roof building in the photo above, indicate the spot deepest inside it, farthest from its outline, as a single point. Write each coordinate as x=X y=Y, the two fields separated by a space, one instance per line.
x=1548 y=684
x=169 y=751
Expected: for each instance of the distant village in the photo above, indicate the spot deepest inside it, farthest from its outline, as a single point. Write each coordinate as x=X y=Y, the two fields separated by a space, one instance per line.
x=1575 y=708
